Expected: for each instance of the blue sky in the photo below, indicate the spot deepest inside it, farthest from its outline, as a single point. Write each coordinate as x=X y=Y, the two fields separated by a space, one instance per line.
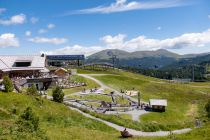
x=88 y=26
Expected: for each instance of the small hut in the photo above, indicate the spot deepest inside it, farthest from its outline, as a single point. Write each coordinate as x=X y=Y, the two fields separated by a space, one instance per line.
x=158 y=104
x=61 y=72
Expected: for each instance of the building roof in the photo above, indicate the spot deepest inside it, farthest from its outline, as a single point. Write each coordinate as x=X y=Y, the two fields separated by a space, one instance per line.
x=7 y=62
x=65 y=57
x=62 y=69
x=160 y=102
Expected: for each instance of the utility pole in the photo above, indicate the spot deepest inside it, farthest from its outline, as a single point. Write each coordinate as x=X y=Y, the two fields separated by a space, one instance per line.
x=193 y=73
x=114 y=57
x=139 y=98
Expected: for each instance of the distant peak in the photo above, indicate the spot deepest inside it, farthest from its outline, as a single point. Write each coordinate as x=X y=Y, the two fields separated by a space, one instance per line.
x=162 y=50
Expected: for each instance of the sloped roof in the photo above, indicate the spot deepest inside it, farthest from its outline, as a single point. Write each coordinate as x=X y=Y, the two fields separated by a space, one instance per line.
x=7 y=62
x=3 y=65
x=63 y=69
x=160 y=102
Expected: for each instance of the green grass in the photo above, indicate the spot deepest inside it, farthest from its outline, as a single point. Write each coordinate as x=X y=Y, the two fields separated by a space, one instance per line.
x=179 y=112
x=125 y=116
x=56 y=120
x=99 y=71
x=95 y=104
x=185 y=103
x=99 y=97
x=91 y=97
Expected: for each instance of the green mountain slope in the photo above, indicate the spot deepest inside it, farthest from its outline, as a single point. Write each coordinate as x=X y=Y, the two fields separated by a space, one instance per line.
x=159 y=59
x=56 y=120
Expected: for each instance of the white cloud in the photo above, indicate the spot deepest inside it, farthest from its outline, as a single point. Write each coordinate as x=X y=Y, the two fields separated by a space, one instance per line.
x=42 y=31
x=113 y=42
x=48 y=40
x=50 y=26
x=8 y=40
x=76 y=49
x=209 y=16
x=34 y=20
x=140 y=43
x=28 y=33
x=124 y=5
x=17 y=19
x=2 y=10
x=159 y=28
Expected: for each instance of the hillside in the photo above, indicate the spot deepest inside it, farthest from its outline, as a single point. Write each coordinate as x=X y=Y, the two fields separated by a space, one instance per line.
x=56 y=120
x=142 y=59
x=185 y=103
x=189 y=61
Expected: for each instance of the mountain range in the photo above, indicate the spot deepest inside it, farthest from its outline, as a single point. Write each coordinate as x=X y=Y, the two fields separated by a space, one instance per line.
x=159 y=59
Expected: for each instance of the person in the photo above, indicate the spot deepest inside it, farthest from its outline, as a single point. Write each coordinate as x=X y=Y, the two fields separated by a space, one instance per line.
x=125 y=133
x=130 y=103
x=197 y=123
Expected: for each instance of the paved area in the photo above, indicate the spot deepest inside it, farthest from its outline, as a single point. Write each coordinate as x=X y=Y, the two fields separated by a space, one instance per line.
x=134 y=113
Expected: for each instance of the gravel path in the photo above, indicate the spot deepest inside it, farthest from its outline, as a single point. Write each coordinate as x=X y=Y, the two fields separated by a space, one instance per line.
x=134 y=113
x=132 y=131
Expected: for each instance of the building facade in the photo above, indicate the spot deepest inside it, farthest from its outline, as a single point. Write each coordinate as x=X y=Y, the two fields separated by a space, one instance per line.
x=65 y=60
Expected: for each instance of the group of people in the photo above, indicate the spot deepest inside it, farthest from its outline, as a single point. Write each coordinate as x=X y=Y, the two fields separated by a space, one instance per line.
x=65 y=83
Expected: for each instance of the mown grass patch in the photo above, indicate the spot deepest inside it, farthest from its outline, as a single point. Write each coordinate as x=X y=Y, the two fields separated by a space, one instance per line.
x=179 y=97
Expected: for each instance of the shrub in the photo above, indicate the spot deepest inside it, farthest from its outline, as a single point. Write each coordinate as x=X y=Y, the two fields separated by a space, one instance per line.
x=58 y=94
x=8 y=84
x=28 y=121
x=208 y=108
x=27 y=127
x=32 y=90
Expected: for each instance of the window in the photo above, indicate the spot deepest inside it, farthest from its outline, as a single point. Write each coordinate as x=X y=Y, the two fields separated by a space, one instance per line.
x=23 y=64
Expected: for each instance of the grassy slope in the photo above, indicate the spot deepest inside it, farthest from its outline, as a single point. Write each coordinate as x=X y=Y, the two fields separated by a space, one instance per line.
x=185 y=101
x=57 y=120
x=61 y=123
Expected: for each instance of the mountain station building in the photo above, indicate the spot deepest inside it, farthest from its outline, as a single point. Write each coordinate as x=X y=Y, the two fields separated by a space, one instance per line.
x=65 y=60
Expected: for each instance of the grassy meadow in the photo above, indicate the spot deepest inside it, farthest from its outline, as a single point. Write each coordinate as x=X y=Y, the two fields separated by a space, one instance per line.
x=185 y=102
x=56 y=121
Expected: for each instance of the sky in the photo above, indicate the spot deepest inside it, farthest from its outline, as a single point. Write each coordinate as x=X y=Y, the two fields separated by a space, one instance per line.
x=89 y=26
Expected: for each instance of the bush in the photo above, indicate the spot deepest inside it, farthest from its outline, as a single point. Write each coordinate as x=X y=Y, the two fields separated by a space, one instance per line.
x=8 y=84
x=58 y=94
x=32 y=90
x=27 y=127
x=28 y=121
x=208 y=108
